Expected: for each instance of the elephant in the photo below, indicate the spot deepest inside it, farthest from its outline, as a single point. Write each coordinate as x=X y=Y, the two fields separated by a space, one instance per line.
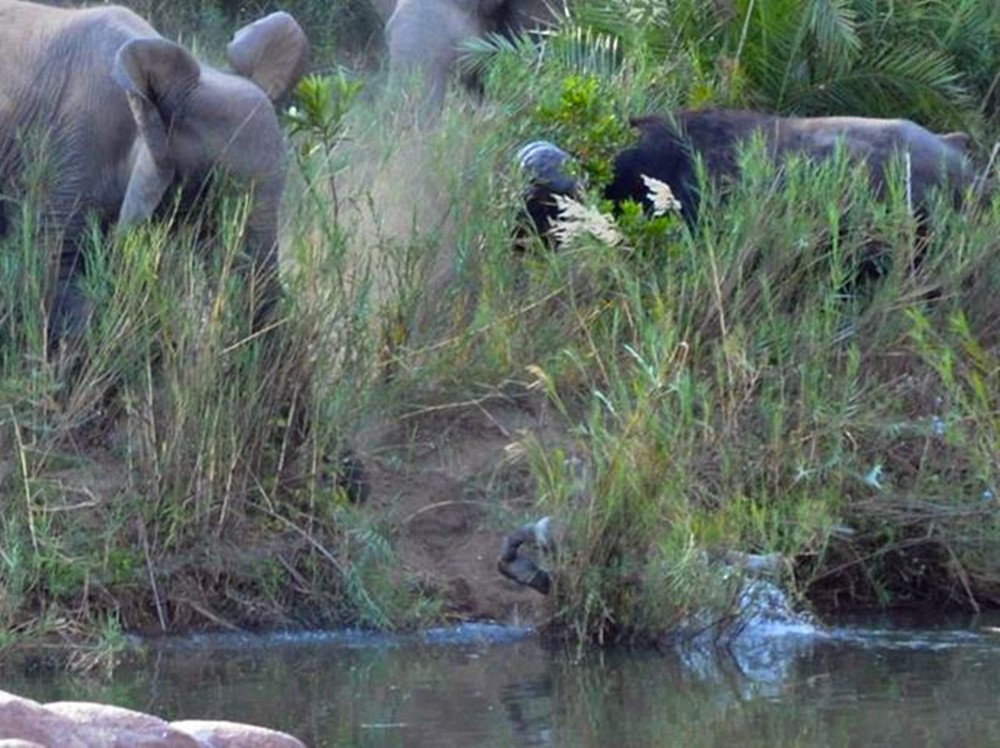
x=424 y=35
x=667 y=148
x=384 y=8
x=129 y=124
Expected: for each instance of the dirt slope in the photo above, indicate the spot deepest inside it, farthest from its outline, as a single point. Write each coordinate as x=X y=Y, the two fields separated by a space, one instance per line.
x=448 y=477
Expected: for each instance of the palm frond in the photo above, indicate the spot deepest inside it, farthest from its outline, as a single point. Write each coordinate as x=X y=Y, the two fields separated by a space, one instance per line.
x=901 y=80
x=569 y=47
x=581 y=49
x=661 y=30
x=478 y=53
x=833 y=24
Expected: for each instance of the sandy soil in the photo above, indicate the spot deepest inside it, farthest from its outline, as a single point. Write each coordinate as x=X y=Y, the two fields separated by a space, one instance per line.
x=443 y=478
x=448 y=477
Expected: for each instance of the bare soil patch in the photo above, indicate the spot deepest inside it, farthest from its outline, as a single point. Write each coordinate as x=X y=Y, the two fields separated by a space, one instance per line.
x=442 y=481
x=448 y=477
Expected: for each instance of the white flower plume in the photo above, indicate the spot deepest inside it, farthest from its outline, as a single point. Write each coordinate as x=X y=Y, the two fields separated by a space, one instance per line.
x=661 y=196
x=576 y=219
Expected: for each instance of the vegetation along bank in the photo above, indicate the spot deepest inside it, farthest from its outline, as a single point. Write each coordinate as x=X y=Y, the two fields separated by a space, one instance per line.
x=664 y=394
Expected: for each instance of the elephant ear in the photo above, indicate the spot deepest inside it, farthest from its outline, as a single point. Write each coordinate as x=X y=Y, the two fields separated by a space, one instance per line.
x=958 y=140
x=156 y=75
x=272 y=52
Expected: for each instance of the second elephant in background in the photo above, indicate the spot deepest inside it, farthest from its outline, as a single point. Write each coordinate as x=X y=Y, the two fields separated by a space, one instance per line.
x=423 y=36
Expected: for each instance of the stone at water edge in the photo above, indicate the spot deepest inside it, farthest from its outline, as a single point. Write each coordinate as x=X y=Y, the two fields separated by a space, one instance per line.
x=220 y=734
x=116 y=727
x=28 y=722
x=77 y=724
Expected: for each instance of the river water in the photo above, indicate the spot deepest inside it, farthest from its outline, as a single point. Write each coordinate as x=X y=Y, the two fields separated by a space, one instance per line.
x=865 y=682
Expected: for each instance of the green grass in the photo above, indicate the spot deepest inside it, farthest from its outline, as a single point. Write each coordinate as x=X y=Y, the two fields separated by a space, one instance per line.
x=731 y=389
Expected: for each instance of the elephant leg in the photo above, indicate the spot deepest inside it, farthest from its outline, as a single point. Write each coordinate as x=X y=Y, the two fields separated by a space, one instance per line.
x=70 y=309
x=260 y=266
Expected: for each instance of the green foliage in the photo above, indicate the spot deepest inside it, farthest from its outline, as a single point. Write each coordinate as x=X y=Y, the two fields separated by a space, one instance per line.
x=579 y=115
x=321 y=106
x=742 y=387
x=318 y=117
x=932 y=60
x=732 y=389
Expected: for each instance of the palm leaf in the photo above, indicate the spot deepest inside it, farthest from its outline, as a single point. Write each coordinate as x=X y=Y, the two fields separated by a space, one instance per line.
x=569 y=46
x=833 y=24
x=901 y=80
x=653 y=27
x=477 y=54
x=583 y=50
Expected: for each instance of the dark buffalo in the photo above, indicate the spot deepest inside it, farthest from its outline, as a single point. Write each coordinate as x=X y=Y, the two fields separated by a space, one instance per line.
x=667 y=149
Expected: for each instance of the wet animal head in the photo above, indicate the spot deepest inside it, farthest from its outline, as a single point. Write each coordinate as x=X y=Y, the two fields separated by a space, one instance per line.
x=545 y=165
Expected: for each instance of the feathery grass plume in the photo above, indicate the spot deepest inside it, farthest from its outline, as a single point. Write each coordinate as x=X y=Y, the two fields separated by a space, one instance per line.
x=661 y=196
x=576 y=220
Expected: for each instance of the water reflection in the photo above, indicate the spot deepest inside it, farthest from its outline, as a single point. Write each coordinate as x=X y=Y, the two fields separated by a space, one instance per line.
x=866 y=683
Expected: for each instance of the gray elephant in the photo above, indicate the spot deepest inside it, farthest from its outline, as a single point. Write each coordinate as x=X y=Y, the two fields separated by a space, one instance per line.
x=424 y=35
x=126 y=121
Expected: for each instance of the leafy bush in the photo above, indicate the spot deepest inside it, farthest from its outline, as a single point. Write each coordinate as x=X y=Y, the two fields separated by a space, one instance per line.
x=724 y=389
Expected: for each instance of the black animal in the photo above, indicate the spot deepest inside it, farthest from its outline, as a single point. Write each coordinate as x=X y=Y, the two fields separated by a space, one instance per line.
x=667 y=149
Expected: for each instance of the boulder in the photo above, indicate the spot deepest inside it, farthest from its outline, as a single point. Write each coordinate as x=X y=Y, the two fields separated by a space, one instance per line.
x=26 y=722
x=115 y=727
x=219 y=734
x=79 y=724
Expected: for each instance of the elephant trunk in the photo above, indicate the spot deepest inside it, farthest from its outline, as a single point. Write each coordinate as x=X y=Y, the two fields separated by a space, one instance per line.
x=261 y=250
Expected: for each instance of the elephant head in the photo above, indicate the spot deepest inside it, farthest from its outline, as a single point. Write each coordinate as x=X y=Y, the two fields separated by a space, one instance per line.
x=425 y=36
x=193 y=121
